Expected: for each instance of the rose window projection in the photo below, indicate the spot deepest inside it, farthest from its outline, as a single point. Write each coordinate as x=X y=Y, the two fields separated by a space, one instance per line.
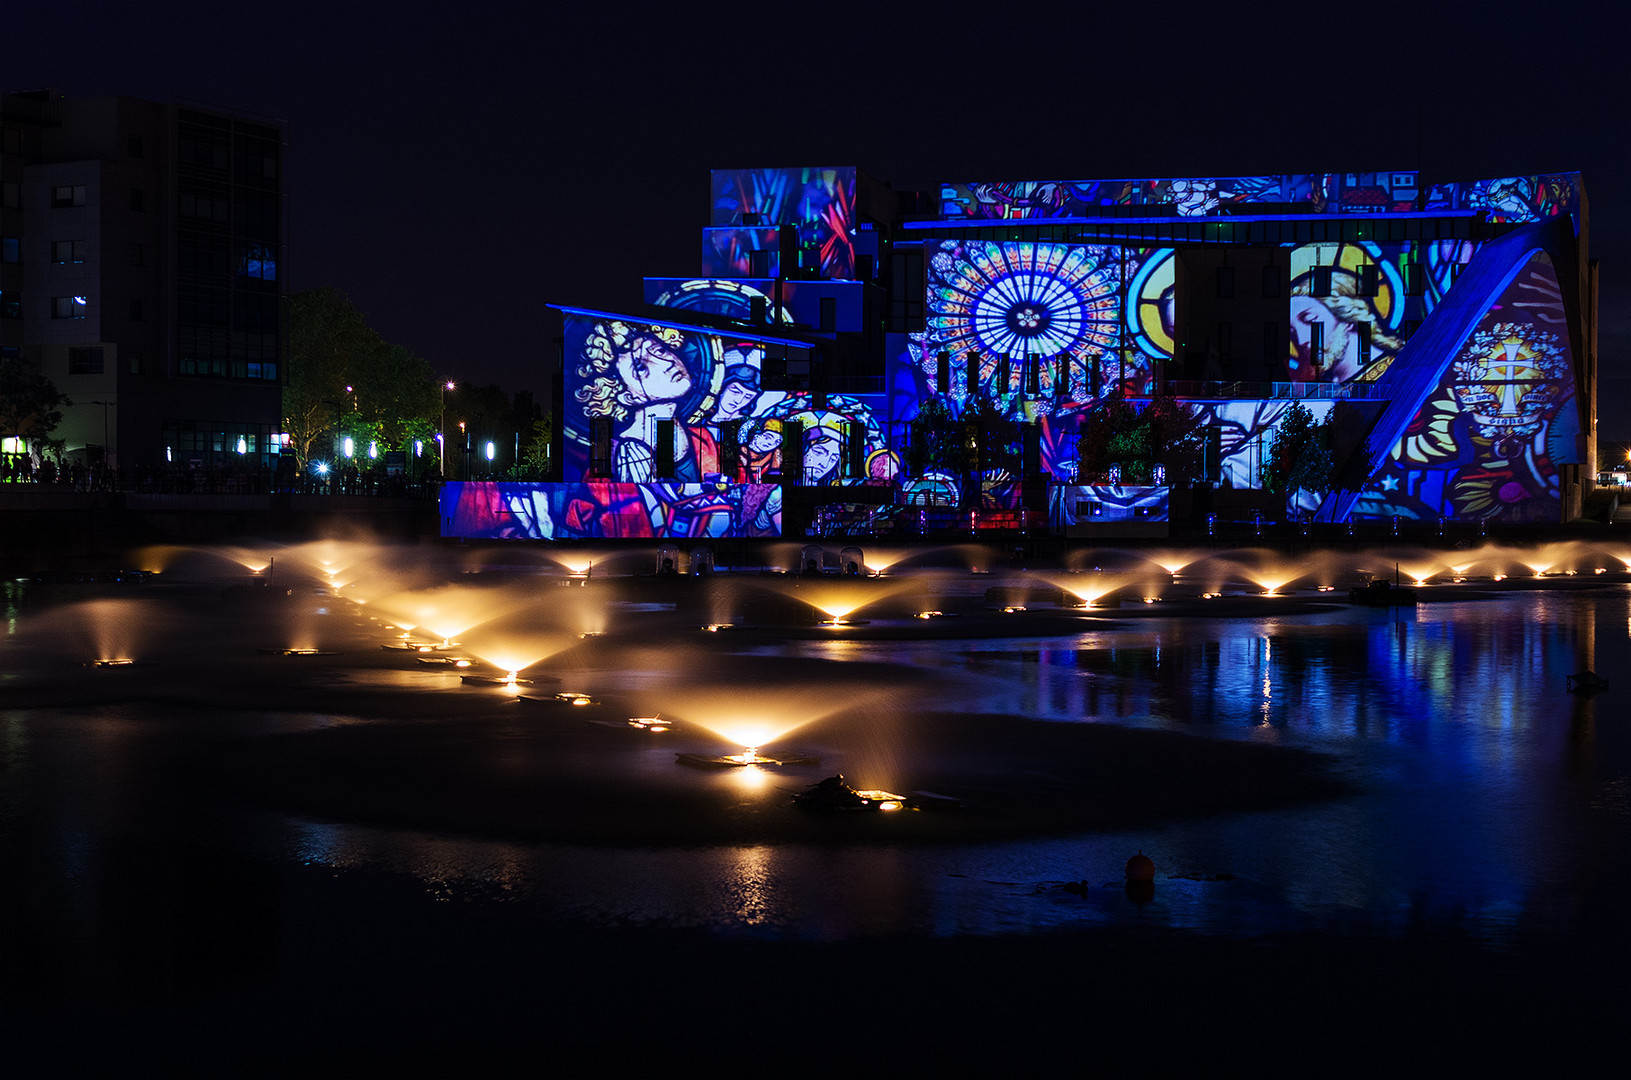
x=1022 y=299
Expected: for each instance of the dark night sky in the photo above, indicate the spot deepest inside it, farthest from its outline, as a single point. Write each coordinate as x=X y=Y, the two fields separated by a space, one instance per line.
x=454 y=165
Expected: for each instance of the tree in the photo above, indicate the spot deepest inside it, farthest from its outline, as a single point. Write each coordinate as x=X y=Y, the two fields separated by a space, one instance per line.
x=937 y=442
x=1300 y=457
x=330 y=343
x=1177 y=438
x=345 y=380
x=30 y=405
x=392 y=387
x=538 y=448
x=1164 y=431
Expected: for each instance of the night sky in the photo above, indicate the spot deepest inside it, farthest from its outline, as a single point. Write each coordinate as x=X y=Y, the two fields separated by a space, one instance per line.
x=452 y=166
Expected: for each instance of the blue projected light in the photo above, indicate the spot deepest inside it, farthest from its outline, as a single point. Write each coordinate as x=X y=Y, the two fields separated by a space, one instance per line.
x=1024 y=299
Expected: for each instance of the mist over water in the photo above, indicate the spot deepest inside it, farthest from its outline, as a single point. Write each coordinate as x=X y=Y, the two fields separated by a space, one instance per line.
x=1482 y=791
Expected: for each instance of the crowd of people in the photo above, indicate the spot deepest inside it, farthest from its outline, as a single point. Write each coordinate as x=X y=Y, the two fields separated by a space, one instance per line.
x=192 y=479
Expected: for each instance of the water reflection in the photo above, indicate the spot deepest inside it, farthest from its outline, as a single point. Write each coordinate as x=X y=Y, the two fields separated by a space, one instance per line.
x=1490 y=798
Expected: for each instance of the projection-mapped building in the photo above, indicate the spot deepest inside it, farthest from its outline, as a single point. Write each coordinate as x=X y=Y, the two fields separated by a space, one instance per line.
x=851 y=360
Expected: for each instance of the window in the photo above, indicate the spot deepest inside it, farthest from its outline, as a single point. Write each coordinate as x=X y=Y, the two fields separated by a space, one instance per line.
x=1368 y=279
x=68 y=195
x=68 y=307
x=68 y=251
x=1271 y=281
x=11 y=304
x=1226 y=340
x=134 y=147
x=135 y=311
x=138 y=255
x=1316 y=340
x=662 y=455
x=1410 y=327
x=1364 y=331
x=1322 y=281
x=135 y=359
x=11 y=140
x=11 y=249
x=1414 y=278
x=1226 y=281
x=85 y=361
x=138 y=199
x=730 y=447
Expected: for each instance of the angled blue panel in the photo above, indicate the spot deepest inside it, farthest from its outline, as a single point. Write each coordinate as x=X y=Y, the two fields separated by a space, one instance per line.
x=1415 y=372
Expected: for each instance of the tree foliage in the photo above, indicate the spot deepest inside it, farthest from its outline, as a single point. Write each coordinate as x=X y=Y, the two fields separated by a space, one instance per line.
x=329 y=340
x=538 y=448
x=979 y=438
x=30 y=405
x=345 y=380
x=1164 y=431
x=936 y=442
x=1300 y=454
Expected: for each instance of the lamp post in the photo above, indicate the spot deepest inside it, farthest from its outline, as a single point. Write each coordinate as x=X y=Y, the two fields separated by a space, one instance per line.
x=441 y=435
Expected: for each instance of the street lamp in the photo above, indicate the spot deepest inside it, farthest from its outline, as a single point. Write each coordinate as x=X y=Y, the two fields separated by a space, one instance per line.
x=441 y=436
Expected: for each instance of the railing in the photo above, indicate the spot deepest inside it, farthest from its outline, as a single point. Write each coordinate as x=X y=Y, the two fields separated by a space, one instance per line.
x=1296 y=391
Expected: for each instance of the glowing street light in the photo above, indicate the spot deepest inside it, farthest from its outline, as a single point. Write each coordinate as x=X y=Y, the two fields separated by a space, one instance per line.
x=441 y=442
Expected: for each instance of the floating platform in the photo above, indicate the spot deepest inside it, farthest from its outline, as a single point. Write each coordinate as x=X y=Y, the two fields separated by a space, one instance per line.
x=737 y=761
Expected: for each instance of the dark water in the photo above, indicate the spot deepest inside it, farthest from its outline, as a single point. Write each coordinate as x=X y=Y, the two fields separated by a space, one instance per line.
x=1490 y=809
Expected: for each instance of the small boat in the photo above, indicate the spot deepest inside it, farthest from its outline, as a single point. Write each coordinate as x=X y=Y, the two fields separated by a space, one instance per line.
x=1586 y=682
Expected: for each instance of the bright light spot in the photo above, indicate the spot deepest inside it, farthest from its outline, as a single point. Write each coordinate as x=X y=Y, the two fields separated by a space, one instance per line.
x=350 y=446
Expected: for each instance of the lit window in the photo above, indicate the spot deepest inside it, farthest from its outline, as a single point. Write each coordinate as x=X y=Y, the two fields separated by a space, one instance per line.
x=68 y=307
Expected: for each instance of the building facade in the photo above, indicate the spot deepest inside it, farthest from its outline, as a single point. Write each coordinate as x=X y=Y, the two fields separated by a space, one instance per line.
x=855 y=361
x=143 y=275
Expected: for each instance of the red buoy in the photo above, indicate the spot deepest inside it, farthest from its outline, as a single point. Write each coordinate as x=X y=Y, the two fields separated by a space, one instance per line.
x=1140 y=868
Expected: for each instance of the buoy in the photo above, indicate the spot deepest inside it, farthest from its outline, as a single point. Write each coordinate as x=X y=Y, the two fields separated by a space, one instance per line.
x=1140 y=868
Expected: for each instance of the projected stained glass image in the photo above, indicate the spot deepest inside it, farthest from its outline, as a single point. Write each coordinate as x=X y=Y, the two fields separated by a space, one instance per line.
x=1487 y=444
x=818 y=203
x=1016 y=308
x=607 y=510
x=1346 y=310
